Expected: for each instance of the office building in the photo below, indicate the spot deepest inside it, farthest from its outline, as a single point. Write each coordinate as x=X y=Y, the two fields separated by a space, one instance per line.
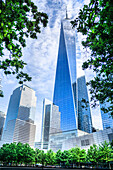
x=0 y=83
x=47 y=106
x=65 y=80
x=107 y=119
x=55 y=120
x=67 y=95
x=2 y=120
x=50 y=122
x=1 y=93
x=84 y=113
x=19 y=124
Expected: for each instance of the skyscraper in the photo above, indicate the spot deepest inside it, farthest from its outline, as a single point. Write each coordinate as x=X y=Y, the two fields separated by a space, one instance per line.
x=2 y=120
x=65 y=80
x=84 y=114
x=47 y=107
x=19 y=124
x=1 y=93
x=50 y=121
x=55 y=120
x=67 y=93
x=107 y=120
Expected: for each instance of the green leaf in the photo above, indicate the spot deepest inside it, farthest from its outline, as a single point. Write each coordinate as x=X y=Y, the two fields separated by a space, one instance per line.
x=10 y=46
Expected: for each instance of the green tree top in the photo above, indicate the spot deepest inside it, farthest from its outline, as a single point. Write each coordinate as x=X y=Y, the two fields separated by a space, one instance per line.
x=95 y=21
x=18 y=21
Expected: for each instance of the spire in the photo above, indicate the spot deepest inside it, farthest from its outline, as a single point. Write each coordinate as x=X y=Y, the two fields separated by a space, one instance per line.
x=66 y=13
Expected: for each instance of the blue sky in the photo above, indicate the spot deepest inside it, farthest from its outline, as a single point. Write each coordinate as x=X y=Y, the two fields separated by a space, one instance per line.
x=41 y=58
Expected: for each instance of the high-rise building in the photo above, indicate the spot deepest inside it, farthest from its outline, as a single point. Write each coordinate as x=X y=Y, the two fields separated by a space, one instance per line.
x=1 y=93
x=0 y=83
x=107 y=119
x=84 y=114
x=55 y=120
x=19 y=124
x=67 y=95
x=50 y=121
x=47 y=106
x=66 y=78
x=2 y=120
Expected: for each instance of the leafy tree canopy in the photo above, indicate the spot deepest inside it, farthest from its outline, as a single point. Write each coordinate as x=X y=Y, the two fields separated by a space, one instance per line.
x=18 y=21
x=93 y=154
x=105 y=152
x=50 y=157
x=17 y=154
x=58 y=157
x=95 y=21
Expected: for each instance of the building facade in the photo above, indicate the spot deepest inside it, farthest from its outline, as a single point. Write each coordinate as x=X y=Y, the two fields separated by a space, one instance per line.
x=84 y=113
x=50 y=122
x=66 y=141
x=107 y=119
x=19 y=124
x=55 y=120
x=65 y=80
x=2 y=120
x=1 y=93
x=68 y=91
x=0 y=84
x=47 y=108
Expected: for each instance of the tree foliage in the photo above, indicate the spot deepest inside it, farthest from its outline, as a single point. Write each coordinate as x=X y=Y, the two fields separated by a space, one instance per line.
x=50 y=157
x=100 y=154
x=58 y=157
x=19 y=20
x=41 y=157
x=92 y=154
x=105 y=152
x=18 y=154
x=77 y=155
x=95 y=21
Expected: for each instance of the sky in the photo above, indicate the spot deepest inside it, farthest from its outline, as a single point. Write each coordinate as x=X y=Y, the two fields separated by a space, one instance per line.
x=41 y=58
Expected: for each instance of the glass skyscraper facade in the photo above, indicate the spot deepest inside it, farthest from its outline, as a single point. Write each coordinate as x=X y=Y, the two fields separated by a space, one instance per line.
x=19 y=124
x=84 y=114
x=65 y=81
x=66 y=93
x=0 y=87
x=2 y=120
x=50 y=121
x=47 y=107
x=107 y=120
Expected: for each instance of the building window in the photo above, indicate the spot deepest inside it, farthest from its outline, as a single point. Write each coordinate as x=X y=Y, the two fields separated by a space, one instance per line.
x=85 y=142
x=82 y=142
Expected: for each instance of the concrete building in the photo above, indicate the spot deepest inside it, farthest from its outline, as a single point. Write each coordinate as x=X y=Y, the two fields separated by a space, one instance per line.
x=68 y=140
x=57 y=140
x=19 y=124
